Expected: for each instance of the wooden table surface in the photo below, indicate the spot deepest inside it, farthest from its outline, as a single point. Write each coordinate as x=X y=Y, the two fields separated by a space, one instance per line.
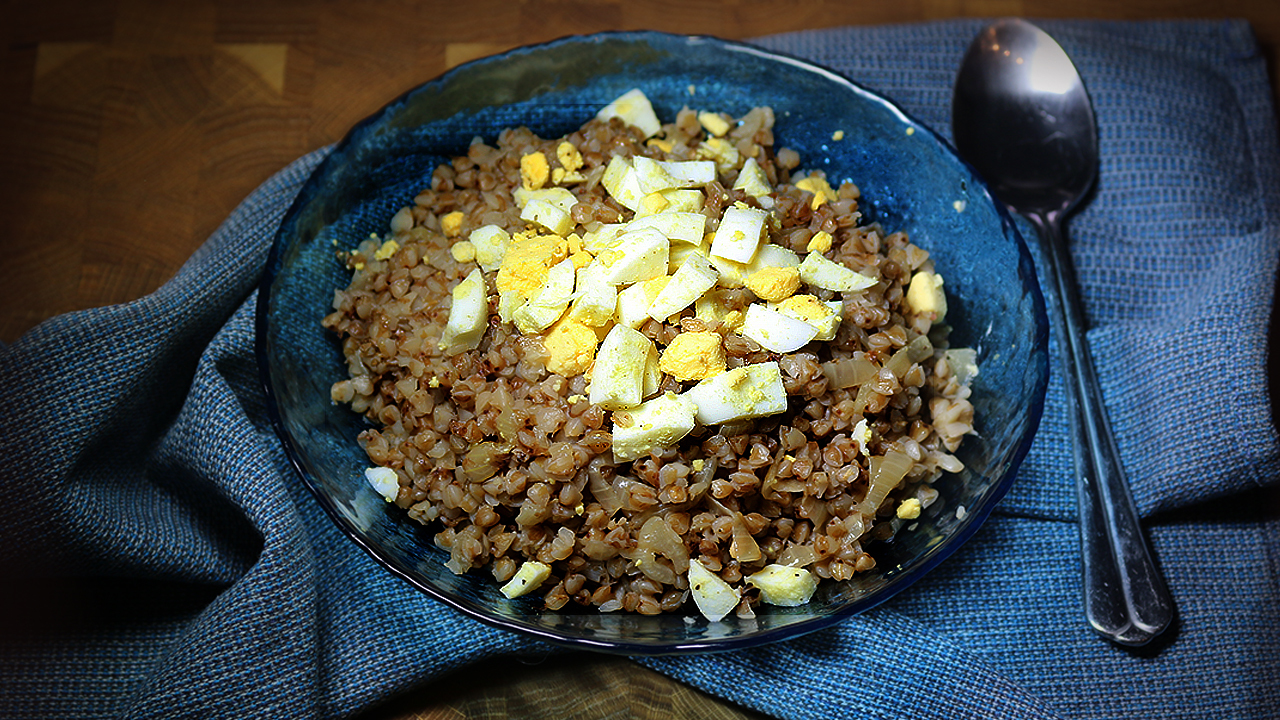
x=130 y=129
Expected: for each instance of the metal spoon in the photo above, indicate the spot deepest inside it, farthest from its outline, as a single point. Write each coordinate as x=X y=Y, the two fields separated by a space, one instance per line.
x=1022 y=118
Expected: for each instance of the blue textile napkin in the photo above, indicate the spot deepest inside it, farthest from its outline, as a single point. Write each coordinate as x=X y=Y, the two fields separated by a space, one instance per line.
x=147 y=508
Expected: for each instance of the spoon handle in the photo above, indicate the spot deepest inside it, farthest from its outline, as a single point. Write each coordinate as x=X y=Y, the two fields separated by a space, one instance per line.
x=1125 y=596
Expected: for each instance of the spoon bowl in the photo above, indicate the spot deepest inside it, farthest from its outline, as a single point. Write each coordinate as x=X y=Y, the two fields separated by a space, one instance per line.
x=1022 y=118
x=1028 y=123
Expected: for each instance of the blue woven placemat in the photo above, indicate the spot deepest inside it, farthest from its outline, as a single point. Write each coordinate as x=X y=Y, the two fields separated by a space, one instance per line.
x=145 y=503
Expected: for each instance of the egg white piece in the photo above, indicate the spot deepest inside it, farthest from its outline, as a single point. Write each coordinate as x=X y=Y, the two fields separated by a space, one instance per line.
x=690 y=173
x=639 y=255
x=752 y=180
x=558 y=196
x=775 y=331
x=742 y=393
x=490 y=243
x=468 y=317
x=618 y=378
x=656 y=423
x=530 y=575
x=547 y=215
x=738 y=237
x=546 y=307
x=651 y=175
x=818 y=271
x=690 y=281
x=634 y=108
x=621 y=182
x=681 y=227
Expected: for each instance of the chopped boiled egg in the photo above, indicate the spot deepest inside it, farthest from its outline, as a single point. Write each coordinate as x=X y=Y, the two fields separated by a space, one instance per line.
x=734 y=319
x=711 y=307
x=652 y=204
x=570 y=163
x=508 y=304
x=530 y=575
x=657 y=175
x=742 y=393
x=385 y=481
x=714 y=123
x=634 y=301
x=670 y=201
x=571 y=347
x=662 y=144
x=925 y=294
x=693 y=355
x=468 y=317
x=774 y=284
x=784 y=586
x=638 y=256
x=634 y=108
x=683 y=227
x=618 y=378
x=690 y=281
x=534 y=171
x=909 y=509
x=656 y=423
x=735 y=274
x=773 y=256
x=549 y=302
x=681 y=252
x=824 y=317
x=714 y=597
x=451 y=223
x=775 y=331
x=821 y=189
x=738 y=237
x=604 y=237
x=558 y=196
x=595 y=302
x=732 y=274
x=818 y=271
x=820 y=242
x=722 y=152
x=752 y=180
x=548 y=216
x=581 y=258
x=463 y=251
x=490 y=244
x=652 y=376
x=690 y=173
x=621 y=182
x=651 y=175
x=569 y=156
x=526 y=261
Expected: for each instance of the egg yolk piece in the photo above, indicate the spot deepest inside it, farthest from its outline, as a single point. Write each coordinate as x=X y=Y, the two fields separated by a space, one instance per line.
x=693 y=356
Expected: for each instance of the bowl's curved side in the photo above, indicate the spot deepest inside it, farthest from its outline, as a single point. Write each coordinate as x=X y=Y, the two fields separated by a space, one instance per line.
x=909 y=177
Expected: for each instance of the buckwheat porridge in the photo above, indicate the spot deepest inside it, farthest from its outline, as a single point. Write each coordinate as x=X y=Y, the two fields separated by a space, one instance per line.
x=649 y=363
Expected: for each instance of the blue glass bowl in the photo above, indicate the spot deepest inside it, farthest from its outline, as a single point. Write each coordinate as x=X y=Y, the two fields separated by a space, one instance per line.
x=910 y=180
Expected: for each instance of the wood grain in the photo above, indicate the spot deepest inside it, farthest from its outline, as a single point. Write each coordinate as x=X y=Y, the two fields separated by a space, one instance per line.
x=573 y=687
x=131 y=128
